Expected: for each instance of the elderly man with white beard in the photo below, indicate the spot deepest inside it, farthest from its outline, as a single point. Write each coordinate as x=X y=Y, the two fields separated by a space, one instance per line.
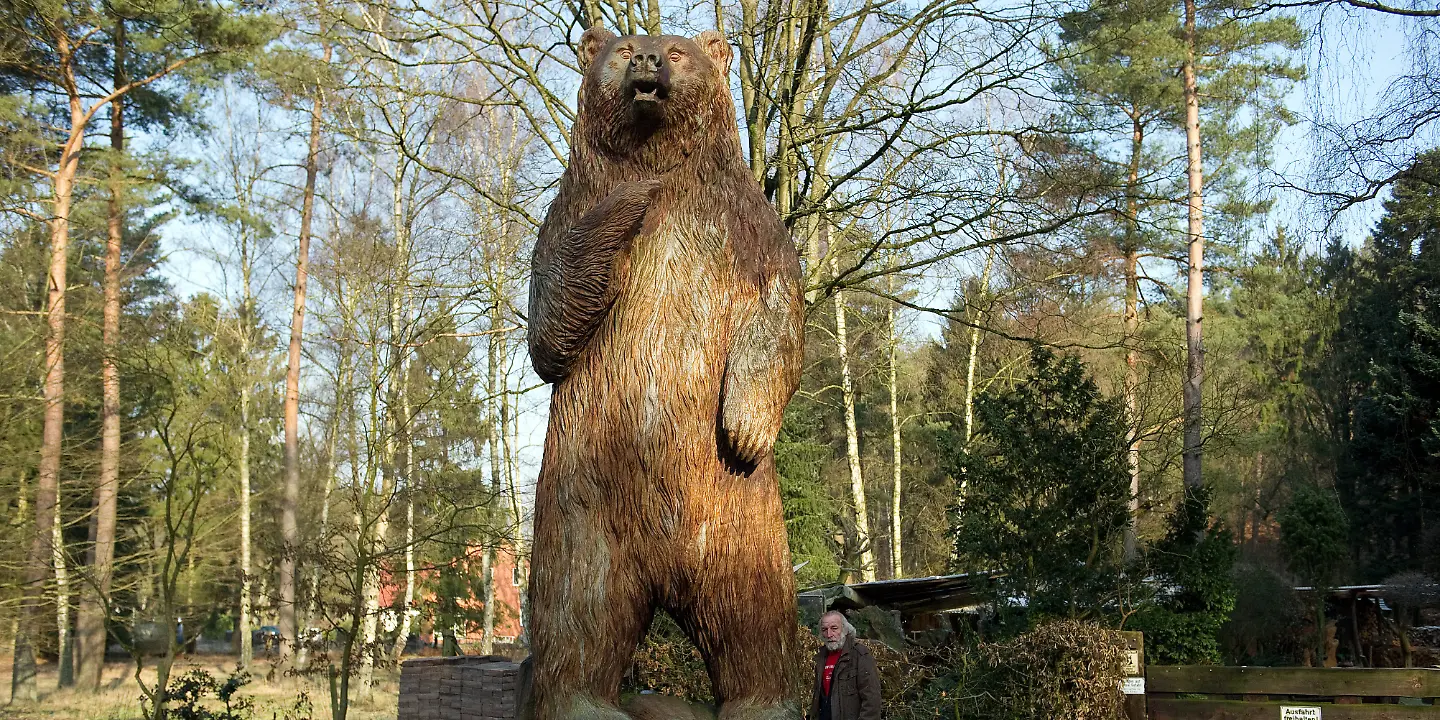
x=847 y=685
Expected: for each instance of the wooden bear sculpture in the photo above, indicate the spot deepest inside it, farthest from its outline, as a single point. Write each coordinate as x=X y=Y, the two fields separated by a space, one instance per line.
x=665 y=308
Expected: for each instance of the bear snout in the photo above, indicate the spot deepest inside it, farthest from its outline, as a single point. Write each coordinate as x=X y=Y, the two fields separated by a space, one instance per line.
x=645 y=63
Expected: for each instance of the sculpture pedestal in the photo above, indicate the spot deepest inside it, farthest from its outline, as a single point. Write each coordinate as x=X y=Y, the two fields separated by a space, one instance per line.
x=664 y=707
x=485 y=687
x=491 y=687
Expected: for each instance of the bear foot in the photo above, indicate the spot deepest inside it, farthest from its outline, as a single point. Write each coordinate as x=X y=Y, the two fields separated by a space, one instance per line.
x=741 y=710
x=665 y=707
x=585 y=708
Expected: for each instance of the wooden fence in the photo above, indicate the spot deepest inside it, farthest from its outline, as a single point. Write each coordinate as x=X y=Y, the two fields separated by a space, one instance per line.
x=1198 y=692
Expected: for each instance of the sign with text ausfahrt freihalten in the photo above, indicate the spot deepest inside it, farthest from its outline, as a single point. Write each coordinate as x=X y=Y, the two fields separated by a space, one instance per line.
x=1299 y=713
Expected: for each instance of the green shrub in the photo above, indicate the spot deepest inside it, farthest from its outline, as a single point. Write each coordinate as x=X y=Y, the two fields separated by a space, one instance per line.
x=1063 y=669
x=189 y=697
x=1192 y=568
x=667 y=662
x=1267 y=625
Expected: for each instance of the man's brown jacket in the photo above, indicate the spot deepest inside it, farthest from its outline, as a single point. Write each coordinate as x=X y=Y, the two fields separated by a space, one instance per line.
x=854 y=685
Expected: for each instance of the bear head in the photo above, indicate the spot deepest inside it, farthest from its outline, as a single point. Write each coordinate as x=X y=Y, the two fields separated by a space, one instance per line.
x=639 y=88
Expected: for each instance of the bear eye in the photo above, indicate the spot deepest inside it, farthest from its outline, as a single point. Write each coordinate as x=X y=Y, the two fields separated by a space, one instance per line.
x=625 y=53
x=674 y=56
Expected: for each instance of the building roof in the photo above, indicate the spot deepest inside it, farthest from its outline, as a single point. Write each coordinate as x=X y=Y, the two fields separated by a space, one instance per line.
x=1426 y=596
x=926 y=594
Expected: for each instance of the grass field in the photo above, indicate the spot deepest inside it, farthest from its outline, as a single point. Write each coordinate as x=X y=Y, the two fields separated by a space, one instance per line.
x=274 y=699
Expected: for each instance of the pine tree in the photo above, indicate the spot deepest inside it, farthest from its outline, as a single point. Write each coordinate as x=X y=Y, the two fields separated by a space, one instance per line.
x=1046 y=492
x=1389 y=341
x=1121 y=63
x=808 y=507
x=1313 y=527
x=53 y=53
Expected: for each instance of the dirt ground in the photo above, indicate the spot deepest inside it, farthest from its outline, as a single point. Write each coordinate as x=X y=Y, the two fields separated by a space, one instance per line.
x=274 y=699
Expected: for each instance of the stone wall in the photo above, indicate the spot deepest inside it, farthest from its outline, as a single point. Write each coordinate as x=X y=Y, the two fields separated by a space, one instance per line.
x=483 y=687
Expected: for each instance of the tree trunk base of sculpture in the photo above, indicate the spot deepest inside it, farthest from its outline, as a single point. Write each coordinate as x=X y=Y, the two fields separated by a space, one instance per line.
x=491 y=687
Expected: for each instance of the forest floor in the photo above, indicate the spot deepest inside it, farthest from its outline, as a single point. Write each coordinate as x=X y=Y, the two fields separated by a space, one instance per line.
x=274 y=699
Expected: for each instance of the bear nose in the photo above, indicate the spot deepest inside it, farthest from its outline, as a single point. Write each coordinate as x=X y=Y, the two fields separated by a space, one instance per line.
x=645 y=62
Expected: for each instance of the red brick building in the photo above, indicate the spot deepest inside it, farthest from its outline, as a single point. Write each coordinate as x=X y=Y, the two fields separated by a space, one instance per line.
x=508 y=582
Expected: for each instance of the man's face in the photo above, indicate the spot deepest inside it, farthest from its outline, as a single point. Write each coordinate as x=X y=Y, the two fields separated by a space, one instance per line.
x=832 y=630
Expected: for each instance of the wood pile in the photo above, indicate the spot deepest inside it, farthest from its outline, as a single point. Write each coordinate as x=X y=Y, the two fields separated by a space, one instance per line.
x=483 y=687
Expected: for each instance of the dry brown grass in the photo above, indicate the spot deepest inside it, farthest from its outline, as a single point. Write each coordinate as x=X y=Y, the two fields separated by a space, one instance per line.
x=120 y=697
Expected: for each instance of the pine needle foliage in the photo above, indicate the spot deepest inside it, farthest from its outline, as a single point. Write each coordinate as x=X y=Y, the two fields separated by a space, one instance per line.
x=1042 y=489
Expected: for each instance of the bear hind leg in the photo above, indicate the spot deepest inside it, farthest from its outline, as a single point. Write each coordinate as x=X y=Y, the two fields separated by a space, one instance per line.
x=589 y=610
x=748 y=641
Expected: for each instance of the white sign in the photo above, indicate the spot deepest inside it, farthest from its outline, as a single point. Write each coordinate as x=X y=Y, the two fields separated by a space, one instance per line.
x=1133 y=686
x=1132 y=662
x=1299 y=713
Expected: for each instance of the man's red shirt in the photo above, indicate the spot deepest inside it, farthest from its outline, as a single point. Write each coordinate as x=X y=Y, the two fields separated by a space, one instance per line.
x=830 y=661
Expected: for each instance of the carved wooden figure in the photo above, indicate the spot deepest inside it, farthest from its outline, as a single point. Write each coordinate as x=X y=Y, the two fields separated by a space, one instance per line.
x=665 y=308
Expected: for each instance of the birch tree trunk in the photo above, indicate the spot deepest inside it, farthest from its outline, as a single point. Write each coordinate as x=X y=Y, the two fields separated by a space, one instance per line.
x=95 y=596
x=343 y=382
x=512 y=446
x=487 y=623
x=409 y=612
x=1194 y=286
x=375 y=543
x=852 y=442
x=357 y=573
x=390 y=423
x=62 y=602
x=970 y=363
x=972 y=310
x=494 y=391
x=245 y=323
x=246 y=590
x=509 y=401
x=1131 y=321
x=897 y=564
x=974 y=353
x=400 y=413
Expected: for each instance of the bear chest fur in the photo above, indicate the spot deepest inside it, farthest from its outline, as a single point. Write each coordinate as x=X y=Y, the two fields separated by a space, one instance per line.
x=655 y=368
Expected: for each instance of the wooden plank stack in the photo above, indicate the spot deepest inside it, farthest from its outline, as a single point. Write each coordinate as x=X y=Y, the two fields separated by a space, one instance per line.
x=459 y=688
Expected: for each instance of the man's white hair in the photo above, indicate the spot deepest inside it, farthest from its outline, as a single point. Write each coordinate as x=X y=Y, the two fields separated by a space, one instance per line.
x=844 y=622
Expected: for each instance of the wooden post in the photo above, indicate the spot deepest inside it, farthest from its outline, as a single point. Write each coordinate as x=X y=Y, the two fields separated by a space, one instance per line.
x=1135 y=705
x=1357 y=656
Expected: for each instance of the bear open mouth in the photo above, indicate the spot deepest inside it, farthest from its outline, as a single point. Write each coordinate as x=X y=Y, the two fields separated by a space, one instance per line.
x=649 y=91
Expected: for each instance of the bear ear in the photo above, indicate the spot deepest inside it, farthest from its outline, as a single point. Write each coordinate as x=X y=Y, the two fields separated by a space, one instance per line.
x=591 y=43
x=714 y=45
